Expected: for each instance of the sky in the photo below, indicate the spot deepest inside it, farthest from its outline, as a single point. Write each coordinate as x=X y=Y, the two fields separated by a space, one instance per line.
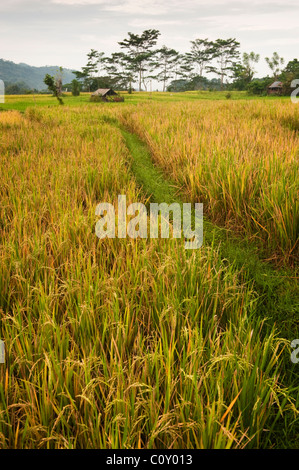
x=62 y=32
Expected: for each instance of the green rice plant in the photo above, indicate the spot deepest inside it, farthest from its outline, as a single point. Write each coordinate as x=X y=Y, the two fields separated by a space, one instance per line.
x=118 y=343
x=238 y=158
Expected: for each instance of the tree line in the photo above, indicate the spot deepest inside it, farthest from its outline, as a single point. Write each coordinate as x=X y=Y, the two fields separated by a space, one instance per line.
x=140 y=62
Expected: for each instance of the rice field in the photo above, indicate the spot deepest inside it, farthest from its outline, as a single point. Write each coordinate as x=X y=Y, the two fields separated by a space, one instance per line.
x=239 y=158
x=141 y=344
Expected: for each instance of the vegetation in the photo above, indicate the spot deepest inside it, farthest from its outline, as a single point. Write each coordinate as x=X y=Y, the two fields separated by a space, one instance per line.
x=231 y=157
x=140 y=63
x=18 y=88
x=54 y=85
x=75 y=88
x=31 y=76
x=121 y=343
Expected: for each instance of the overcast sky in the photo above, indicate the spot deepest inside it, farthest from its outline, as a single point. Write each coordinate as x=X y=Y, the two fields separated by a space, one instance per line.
x=61 y=32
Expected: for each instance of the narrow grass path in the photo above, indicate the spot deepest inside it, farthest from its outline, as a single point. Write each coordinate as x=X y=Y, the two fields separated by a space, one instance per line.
x=278 y=290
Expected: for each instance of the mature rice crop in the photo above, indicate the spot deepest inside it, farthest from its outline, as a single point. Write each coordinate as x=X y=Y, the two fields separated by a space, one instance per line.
x=240 y=158
x=121 y=343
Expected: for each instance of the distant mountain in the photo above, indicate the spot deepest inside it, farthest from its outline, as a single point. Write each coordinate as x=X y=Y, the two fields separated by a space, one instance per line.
x=33 y=77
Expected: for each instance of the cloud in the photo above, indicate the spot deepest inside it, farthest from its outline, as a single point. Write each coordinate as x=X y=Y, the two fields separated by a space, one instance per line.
x=283 y=41
x=145 y=7
x=148 y=23
x=79 y=2
x=62 y=31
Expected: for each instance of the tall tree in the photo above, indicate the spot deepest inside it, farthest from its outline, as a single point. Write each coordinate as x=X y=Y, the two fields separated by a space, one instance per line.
x=75 y=87
x=243 y=72
x=184 y=67
x=54 y=84
x=249 y=59
x=120 y=68
x=165 y=61
x=88 y=73
x=226 y=54
x=58 y=81
x=275 y=64
x=288 y=75
x=292 y=67
x=140 y=50
x=200 y=55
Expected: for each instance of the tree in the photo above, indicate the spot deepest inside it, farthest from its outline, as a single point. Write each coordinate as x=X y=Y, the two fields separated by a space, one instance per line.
x=165 y=59
x=249 y=59
x=243 y=72
x=58 y=81
x=259 y=86
x=88 y=73
x=18 y=88
x=140 y=51
x=225 y=52
x=200 y=55
x=293 y=67
x=120 y=69
x=94 y=64
x=54 y=85
x=288 y=75
x=75 y=87
x=239 y=77
x=275 y=64
x=178 y=85
x=184 y=67
x=196 y=82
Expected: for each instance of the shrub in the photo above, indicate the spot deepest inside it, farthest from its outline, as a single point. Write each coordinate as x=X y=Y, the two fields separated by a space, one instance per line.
x=75 y=87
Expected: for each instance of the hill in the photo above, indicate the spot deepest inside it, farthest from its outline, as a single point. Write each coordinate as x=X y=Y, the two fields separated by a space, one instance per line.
x=12 y=73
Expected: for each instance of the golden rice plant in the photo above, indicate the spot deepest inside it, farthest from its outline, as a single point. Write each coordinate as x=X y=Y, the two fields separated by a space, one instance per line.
x=240 y=158
x=118 y=343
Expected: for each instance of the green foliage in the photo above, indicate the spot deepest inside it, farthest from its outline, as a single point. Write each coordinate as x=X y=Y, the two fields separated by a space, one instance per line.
x=259 y=86
x=120 y=71
x=75 y=87
x=249 y=59
x=54 y=86
x=50 y=82
x=19 y=88
x=89 y=73
x=128 y=344
x=293 y=67
x=225 y=52
x=165 y=59
x=275 y=63
x=202 y=52
x=290 y=73
x=243 y=72
x=140 y=52
x=33 y=77
x=194 y=83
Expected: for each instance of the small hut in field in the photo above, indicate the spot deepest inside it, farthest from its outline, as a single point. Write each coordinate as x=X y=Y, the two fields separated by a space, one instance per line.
x=105 y=94
x=275 y=88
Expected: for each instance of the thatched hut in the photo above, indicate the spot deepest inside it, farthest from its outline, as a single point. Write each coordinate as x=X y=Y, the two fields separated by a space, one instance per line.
x=275 y=88
x=105 y=94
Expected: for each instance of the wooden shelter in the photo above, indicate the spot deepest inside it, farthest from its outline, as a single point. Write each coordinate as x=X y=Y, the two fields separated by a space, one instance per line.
x=105 y=94
x=275 y=88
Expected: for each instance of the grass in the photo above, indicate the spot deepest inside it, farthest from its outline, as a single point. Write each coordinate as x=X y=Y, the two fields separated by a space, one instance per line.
x=125 y=343
x=239 y=158
x=276 y=287
x=277 y=300
x=22 y=102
